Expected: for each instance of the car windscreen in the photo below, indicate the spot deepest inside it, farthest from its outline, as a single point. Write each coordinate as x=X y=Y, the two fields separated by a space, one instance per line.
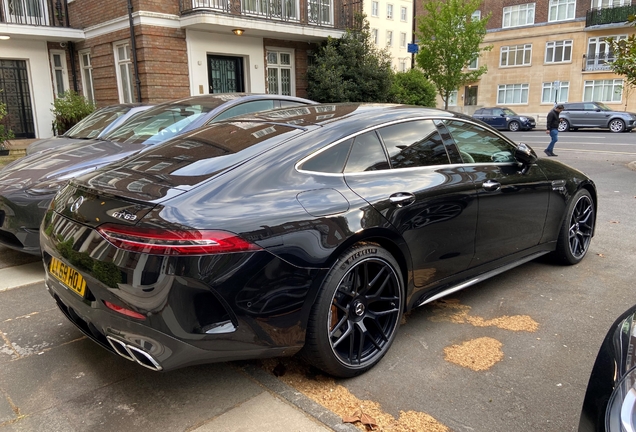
x=93 y=124
x=160 y=123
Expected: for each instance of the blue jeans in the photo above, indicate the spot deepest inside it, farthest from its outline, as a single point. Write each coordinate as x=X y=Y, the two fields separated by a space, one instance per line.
x=554 y=134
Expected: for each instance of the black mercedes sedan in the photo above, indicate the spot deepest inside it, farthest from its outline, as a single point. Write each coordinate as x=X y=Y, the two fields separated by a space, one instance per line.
x=610 y=399
x=28 y=185
x=306 y=230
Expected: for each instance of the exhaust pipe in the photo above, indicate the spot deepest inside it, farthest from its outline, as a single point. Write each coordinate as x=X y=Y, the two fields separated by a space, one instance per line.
x=134 y=354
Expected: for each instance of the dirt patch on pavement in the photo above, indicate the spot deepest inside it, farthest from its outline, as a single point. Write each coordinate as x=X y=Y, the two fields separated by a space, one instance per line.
x=452 y=311
x=477 y=354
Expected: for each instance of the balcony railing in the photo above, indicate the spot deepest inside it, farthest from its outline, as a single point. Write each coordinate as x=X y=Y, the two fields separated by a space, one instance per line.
x=327 y=13
x=51 y=13
x=599 y=62
x=609 y=15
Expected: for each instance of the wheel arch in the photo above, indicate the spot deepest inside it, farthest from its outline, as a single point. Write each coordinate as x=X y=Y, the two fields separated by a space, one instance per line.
x=589 y=186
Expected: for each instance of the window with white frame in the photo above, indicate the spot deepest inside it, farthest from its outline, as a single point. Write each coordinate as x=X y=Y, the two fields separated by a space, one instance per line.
x=604 y=4
x=518 y=15
x=561 y=10
x=452 y=98
x=515 y=55
x=603 y=90
x=402 y=40
x=374 y=36
x=87 y=75
x=375 y=6
x=319 y=11
x=389 y=11
x=475 y=16
x=474 y=63
x=402 y=65
x=389 y=38
x=551 y=94
x=58 y=66
x=598 y=49
x=124 y=72
x=280 y=72
x=558 y=51
x=403 y=13
x=512 y=94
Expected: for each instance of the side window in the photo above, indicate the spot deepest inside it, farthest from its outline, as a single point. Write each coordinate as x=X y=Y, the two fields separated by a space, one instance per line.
x=245 y=108
x=331 y=160
x=590 y=107
x=367 y=154
x=497 y=112
x=575 y=107
x=290 y=104
x=477 y=145
x=414 y=144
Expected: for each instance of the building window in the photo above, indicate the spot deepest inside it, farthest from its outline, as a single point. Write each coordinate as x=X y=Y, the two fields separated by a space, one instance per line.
x=402 y=65
x=605 y=4
x=603 y=90
x=374 y=36
x=124 y=71
x=515 y=55
x=374 y=8
x=87 y=75
x=474 y=63
x=512 y=94
x=402 y=40
x=319 y=11
x=519 y=15
x=599 y=54
x=476 y=16
x=403 y=12
x=58 y=65
x=280 y=77
x=389 y=38
x=558 y=51
x=561 y=10
x=452 y=98
x=389 y=11
x=552 y=94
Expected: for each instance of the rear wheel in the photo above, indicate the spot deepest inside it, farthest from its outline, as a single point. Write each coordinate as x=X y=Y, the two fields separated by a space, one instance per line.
x=513 y=126
x=617 y=125
x=564 y=125
x=577 y=229
x=357 y=313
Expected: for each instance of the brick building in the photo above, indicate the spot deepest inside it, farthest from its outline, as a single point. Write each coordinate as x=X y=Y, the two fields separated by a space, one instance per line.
x=155 y=50
x=547 y=51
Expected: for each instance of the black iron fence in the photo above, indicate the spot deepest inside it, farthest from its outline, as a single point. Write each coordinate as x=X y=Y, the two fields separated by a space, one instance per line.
x=52 y=13
x=612 y=15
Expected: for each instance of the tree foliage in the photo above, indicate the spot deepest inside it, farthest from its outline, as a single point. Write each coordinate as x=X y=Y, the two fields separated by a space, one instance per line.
x=350 y=69
x=625 y=56
x=448 y=41
x=68 y=110
x=413 y=88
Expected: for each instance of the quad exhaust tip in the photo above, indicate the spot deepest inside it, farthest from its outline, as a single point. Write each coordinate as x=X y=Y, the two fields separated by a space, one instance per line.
x=134 y=354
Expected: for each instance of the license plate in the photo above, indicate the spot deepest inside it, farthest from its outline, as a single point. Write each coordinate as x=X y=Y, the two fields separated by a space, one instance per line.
x=68 y=276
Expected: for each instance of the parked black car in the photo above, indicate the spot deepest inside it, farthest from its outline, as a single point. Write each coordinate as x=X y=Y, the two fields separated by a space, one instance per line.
x=577 y=115
x=28 y=185
x=310 y=228
x=505 y=119
x=610 y=399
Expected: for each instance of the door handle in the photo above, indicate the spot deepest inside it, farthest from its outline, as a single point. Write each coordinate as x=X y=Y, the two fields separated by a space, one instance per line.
x=402 y=199
x=491 y=185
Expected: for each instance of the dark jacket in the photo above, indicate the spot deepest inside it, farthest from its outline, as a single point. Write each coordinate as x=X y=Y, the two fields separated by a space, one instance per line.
x=553 y=120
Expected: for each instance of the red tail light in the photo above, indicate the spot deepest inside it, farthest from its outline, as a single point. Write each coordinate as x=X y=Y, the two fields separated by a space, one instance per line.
x=124 y=311
x=174 y=242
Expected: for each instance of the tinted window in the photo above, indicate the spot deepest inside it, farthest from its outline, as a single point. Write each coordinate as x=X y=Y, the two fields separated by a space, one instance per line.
x=590 y=107
x=574 y=107
x=92 y=125
x=245 y=108
x=497 y=112
x=331 y=160
x=480 y=111
x=479 y=145
x=414 y=144
x=367 y=154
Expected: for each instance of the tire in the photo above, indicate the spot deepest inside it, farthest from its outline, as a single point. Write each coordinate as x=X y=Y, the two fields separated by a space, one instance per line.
x=514 y=126
x=350 y=328
x=617 y=125
x=564 y=125
x=576 y=231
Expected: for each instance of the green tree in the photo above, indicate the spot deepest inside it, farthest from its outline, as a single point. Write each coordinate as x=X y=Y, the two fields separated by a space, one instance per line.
x=350 y=69
x=413 y=88
x=625 y=59
x=68 y=110
x=449 y=40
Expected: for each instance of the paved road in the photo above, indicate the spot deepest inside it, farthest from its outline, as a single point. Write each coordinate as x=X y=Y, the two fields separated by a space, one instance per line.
x=51 y=378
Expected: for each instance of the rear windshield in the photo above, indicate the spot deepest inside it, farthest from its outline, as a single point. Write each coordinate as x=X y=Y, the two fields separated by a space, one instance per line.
x=92 y=125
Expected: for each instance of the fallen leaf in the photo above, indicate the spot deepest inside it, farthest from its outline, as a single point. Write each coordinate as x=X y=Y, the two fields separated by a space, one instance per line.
x=614 y=222
x=361 y=417
x=601 y=255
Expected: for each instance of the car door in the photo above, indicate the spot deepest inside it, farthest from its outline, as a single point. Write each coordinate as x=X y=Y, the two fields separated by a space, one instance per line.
x=485 y=115
x=498 y=119
x=576 y=114
x=430 y=201
x=595 y=117
x=512 y=206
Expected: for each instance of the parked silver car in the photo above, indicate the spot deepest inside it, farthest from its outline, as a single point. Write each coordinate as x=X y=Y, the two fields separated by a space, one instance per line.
x=595 y=115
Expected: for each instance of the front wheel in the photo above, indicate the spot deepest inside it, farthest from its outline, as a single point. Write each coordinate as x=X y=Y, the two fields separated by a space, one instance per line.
x=617 y=125
x=564 y=125
x=513 y=126
x=357 y=313
x=577 y=229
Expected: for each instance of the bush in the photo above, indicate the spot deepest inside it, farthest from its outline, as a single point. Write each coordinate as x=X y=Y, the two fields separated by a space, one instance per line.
x=5 y=132
x=413 y=88
x=68 y=110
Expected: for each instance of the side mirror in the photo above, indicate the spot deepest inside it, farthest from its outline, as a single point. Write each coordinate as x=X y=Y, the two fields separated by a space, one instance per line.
x=525 y=156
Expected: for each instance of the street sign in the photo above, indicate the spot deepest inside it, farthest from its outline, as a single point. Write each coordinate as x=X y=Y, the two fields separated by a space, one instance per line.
x=413 y=48
x=556 y=84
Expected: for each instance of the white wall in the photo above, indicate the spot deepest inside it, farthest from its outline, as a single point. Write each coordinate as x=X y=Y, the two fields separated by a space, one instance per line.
x=36 y=55
x=200 y=44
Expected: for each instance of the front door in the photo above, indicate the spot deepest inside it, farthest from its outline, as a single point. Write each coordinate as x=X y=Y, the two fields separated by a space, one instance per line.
x=225 y=74
x=470 y=95
x=14 y=80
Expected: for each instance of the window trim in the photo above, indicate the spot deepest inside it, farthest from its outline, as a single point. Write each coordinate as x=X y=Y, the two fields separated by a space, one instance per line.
x=87 y=82
x=62 y=68
x=555 y=4
x=506 y=48
x=291 y=67
x=561 y=86
x=565 y=44
x=527 y=88
x=118 y=63
x=508 y=11
x=616 y=82
x=389 y=11
x=375 y=9
x=404 y=13
x=389 y=38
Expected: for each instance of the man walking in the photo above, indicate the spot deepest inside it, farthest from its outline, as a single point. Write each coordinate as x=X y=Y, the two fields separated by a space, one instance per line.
x=553 y=128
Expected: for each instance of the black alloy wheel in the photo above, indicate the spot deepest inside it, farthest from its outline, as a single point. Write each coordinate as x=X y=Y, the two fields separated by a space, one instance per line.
x=357 y=313
x=577 y=229
x=514 y=126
